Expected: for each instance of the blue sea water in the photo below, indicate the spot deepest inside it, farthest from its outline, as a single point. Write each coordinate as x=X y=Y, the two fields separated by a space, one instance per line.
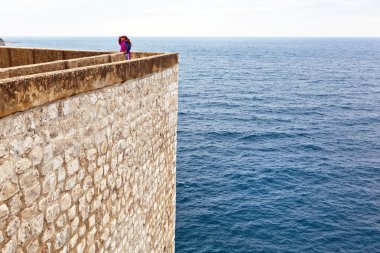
x=278 y=141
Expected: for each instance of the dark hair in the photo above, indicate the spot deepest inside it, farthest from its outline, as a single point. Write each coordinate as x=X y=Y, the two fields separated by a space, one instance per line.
x=128 y=40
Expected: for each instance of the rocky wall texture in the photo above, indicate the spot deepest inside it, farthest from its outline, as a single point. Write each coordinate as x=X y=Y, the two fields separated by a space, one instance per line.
x=93 y=172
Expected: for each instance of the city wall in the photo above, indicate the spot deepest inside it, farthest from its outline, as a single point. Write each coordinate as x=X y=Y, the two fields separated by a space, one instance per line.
x=88 y=152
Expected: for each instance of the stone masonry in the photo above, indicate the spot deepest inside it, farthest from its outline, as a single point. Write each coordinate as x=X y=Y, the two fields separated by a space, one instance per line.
x=93 y=172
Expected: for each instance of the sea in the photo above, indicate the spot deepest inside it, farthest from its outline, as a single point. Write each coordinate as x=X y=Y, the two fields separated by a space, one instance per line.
x=278 y=141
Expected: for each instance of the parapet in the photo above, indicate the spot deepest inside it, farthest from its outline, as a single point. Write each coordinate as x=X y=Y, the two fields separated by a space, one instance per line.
x=87 y=151
x=32 y=77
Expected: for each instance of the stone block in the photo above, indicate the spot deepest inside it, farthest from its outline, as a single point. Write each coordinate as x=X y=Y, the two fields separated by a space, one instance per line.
x=37 y=225
x=60 y=239
x=81 y=246
x=91 y=154
x=74 y=225
x=4 y=212
x=65 y=201
x=24 y=232
x=76 y=192
x=4 y=149
x=1 y=237
x=10 y=246
x=32 y=194
x=48 y=233
x=32 y=247
x=49 y=184
x=61 y=221
x=29 y=213
x=36 y=155
x=23 y=165
x=72 y=212
x=8 y=189
x=70 y=183
x=72 y=167
x=29 y=179
x=98 y=175
x=52 y=212
x=7 y=170
x=13 y=226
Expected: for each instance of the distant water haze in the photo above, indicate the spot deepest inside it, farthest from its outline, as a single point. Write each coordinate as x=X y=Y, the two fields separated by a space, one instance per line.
x=278 y=141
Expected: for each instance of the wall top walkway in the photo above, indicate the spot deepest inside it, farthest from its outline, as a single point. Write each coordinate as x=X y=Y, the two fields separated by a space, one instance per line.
x=45 y=78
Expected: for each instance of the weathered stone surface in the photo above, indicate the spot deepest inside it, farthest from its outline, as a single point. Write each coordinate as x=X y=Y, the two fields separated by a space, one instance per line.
x=24 y=232
x=93 y=172
x=23 y=165
x=72 y=167
x=98 y=175
x=65 y=201
x=74 y=225
x=1 y=237
x=4 y=212
x=61 y=221
x=29 y=213
x=70 y=182
x=81 y=246
x=29 y=179
x=38 y=224
x=36 y=155
x=60 y=239
x=49 y=184
x=4 y=150
x=72 y=212
x=15 y=204
x=32 y=247
x=77 y=192
x=7 y=171
x=13 y=226
x=8 y=189
x=48 y=233
x=52 y=212
x=32 y=194
x=10 y=246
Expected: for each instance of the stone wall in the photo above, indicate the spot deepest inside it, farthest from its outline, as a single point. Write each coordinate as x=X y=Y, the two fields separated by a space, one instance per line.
x=93 y=171
x=15 y=56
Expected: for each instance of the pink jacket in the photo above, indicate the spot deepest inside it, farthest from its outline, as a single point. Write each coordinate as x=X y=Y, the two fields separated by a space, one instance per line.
x=123 y=46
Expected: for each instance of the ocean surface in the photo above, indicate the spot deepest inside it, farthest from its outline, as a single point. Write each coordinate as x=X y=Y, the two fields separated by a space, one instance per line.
x=278 y=141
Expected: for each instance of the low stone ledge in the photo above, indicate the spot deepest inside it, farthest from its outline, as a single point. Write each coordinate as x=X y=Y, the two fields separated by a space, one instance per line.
x=22 y=93
x=32 y=69
x=15 y=56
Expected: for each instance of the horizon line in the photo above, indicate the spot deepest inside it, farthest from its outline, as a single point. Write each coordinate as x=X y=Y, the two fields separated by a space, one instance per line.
x=197 y=36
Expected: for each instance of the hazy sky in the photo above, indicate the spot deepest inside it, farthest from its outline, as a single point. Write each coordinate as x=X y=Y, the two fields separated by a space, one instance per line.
x=190 y=18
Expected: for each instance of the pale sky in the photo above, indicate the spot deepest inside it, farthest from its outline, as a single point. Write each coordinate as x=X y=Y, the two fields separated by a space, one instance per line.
x=190 y=18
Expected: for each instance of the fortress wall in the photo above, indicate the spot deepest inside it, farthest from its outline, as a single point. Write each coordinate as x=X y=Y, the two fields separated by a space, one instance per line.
x=12 y=56
x=24 y=70
x=87 y=164
x=22 y=93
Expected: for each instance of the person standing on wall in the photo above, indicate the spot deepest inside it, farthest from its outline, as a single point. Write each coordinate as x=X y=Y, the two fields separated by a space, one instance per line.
x=125 y=46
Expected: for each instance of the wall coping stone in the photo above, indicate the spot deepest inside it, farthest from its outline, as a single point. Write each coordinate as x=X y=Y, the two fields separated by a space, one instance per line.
x=22 y=93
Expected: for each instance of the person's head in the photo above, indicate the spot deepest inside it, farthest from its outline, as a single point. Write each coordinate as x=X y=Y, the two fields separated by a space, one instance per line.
x=125 y=38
